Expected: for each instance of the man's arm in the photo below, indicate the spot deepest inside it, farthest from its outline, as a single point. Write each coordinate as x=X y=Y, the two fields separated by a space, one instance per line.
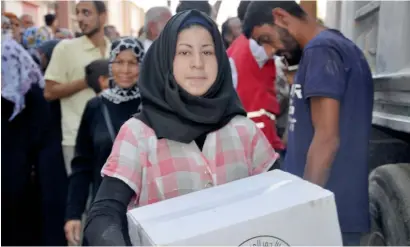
x=57 y=84
x=325 y=143
x=55 y=90
x=324 y=87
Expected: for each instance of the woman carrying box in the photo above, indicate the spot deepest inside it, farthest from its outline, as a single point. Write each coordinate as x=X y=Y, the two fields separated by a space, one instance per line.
x=191 y=134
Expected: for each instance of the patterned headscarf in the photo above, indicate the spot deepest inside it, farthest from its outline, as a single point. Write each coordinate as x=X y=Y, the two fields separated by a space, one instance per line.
x=18 y=73
x=32 y=38
x=115 y=93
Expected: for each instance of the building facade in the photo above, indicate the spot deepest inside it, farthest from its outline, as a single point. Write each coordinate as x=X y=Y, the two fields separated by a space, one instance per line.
x=126 y=15
x=37 y=9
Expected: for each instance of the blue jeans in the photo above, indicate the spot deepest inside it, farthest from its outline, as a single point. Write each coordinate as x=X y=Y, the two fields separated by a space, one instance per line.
x=351 y=238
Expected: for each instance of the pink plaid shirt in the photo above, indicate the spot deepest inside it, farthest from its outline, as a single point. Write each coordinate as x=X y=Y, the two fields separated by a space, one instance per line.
x=161 y=169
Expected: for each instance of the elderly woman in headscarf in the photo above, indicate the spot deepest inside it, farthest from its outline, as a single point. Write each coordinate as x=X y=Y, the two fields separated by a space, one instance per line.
x=102 y=118
x=15 y=25
x=191 y=134
x=24 y=125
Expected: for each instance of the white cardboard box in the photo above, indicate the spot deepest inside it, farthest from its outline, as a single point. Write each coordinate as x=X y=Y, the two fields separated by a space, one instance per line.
x=270 y=209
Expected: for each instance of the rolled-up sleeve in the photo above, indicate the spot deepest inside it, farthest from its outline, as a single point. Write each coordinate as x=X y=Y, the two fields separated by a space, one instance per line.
x=129 y=156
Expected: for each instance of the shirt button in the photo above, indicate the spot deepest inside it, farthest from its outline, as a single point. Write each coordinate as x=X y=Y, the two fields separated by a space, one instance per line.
x=209 y=185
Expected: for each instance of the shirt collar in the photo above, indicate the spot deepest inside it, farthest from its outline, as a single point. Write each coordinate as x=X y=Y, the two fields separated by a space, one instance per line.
x=87 y=45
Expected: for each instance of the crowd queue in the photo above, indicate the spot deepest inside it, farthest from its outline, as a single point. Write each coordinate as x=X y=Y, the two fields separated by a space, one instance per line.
x=95 y=124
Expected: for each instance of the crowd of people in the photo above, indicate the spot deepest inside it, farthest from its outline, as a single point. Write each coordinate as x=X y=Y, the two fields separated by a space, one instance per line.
x=94 y=124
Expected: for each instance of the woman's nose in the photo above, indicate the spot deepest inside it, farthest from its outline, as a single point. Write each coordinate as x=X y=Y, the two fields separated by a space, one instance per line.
x=126 y=67
x=197 y=61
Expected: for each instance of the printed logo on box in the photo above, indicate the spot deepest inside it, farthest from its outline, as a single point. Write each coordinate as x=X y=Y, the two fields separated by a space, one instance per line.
x=264 y=241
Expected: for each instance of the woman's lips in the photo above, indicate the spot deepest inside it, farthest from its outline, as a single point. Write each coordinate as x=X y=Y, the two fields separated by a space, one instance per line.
x=196 y=78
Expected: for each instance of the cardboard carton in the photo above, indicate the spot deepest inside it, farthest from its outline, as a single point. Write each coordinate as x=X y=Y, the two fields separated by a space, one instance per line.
x=270 y=209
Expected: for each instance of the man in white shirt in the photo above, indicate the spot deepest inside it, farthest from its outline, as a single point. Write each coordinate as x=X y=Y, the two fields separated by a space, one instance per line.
x=155 y=20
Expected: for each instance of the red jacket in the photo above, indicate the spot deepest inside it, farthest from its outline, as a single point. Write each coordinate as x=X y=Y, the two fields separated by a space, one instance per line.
x=256 y=87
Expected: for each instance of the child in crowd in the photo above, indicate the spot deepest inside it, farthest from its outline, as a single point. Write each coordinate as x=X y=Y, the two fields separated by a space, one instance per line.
x=96 y=75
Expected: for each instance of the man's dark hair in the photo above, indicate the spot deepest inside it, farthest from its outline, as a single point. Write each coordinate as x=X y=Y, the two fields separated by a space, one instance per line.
x=93 y=71
x=203 y=6
x=241 y=11
x=49 y=19
x=260 y=13
x=100 y=7
x=226 y=30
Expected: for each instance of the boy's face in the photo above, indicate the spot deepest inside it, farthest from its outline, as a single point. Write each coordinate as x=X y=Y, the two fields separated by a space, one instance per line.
x=104 y=82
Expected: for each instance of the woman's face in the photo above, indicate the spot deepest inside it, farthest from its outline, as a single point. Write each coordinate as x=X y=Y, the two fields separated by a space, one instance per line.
x=195 y=64
x=125 y=69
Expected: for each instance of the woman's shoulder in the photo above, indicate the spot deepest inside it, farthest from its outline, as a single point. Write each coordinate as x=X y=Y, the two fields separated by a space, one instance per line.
x=94 y=103
x=243 y=124
x=138 y=129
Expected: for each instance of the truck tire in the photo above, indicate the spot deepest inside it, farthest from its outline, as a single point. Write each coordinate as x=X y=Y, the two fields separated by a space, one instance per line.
x=375 y=237
x=389 y=194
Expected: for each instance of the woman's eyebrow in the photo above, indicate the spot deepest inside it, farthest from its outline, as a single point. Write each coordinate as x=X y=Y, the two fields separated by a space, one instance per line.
x=190 y=46
x=184 y=44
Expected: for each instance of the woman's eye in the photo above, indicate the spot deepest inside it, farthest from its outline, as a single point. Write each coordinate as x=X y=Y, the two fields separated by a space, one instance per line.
x=208 y=53
x=184 y=53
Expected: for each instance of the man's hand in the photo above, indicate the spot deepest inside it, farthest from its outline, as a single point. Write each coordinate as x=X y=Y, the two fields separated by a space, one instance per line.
x=72 y=230
x=325 y=143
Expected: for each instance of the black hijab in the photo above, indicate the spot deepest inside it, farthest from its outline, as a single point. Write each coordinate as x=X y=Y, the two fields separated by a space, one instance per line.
x=166 y=107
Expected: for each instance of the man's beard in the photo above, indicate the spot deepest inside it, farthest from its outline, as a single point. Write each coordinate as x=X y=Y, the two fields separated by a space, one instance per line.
x=93 y=31
x=293 y=51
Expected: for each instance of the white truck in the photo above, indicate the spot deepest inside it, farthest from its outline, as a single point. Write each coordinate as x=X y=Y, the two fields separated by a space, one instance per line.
x=382 y=30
